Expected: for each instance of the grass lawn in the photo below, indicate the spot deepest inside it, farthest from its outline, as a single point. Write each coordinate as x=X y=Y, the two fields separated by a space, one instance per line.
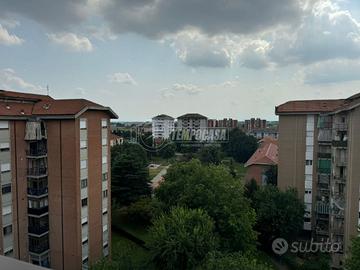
x=154 y=171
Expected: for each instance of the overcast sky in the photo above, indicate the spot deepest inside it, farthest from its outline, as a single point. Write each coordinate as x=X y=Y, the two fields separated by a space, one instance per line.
x=220 y=58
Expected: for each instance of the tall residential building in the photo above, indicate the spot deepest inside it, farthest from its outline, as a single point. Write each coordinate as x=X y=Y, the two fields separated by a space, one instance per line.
x=319 y=143
x=192 y=121
x=54 y=174
x=255 y=124
x=224 y=123
x=162 y=126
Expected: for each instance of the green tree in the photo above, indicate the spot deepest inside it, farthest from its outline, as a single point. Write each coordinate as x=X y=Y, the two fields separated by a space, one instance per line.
x=130 y=174
x=279 y=213
x=210 y=154
x=271 y=175
x=168 y=151
x=251 y=188
x=240 y=145
x=233 y=261
x=181 y=239
x=353 y=260
x=213 y=189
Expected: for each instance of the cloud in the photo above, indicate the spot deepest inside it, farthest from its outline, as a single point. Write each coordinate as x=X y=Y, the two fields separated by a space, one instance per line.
x=331 y=71
x=52 y=14
x=328 y=32
x=8 y=39
x=71 y=41
x=176 y=88
x=101 y=33
x=156 y=18
x=10 y=80
x=122 y=78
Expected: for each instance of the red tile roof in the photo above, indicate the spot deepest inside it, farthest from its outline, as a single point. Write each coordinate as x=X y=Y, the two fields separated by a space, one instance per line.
x=266 y=154
x=307 y=106
x=23 y=104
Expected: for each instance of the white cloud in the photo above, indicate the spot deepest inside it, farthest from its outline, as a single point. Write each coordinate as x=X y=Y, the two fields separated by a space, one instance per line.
x=101 y=33
x=71 y=41
x=8 y=39
x=179 y=88
x=10 y=80
x=331 y=71
x=122 y=78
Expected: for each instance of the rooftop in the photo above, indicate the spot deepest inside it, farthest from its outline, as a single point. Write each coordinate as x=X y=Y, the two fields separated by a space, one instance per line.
x=163 y=116
x=12 y=264
x=192 y=115
x=16 y=104
x=266 y=154
x=317 y=106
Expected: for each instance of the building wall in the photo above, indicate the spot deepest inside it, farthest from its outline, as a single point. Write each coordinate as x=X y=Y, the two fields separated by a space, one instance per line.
x=353 y=178
x=292 y=141
x=256 y=172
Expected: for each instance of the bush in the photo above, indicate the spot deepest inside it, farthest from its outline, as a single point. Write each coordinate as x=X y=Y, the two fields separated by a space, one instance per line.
x=141 y=211
x=181 y=239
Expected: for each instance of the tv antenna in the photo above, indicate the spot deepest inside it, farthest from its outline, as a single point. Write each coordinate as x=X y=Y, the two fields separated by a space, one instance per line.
x=47 y=89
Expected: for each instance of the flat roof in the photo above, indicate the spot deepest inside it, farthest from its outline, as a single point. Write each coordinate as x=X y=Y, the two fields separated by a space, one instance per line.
x=13 y=264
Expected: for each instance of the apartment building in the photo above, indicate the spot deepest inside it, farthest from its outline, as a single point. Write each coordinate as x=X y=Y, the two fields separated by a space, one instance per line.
x=224 y=123
x=192 y=121
x=319 y=143
x=162 y=126
x=54 y=174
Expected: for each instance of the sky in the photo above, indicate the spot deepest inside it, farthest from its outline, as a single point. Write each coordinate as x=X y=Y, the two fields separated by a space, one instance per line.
x=220 y=58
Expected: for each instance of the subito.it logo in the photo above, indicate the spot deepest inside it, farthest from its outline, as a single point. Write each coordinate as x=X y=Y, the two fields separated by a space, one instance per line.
x=280 y=246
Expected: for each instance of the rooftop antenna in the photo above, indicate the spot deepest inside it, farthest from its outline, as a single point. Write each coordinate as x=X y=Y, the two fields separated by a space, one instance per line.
x=47 y=89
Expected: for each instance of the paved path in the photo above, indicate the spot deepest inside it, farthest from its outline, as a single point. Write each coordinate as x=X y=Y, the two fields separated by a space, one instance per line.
x=155 y=182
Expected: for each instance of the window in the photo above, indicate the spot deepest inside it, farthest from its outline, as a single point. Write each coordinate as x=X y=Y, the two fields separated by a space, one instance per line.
x=84 y=202
x=83 y=144
x=4 y=125
x=83 y=124
x=85 y=242
x=6 y=210
x=104 y=142
x=309 y=162
x=5 y=167
x=83 y=164
x=104 y=159
x=105 y=194
x=4 y=147
x=105 y=176
x=34 y=203
x=6 y=189
x=9 y=252
x=7 y=230
x=104 y=123
x=84 y=183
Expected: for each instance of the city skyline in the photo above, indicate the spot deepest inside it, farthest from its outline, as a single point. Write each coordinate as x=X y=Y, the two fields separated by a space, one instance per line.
x=208 y=60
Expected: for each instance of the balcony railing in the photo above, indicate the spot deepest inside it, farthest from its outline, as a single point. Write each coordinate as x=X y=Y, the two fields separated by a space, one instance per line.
x=339 y=143
x=340 y=178
x=323 y=208
x=36 y=152
x=40 y=248
x=341 y=161
x=37 y=172
x=37 y=191
x=38 y=211
x=324 y=155
x=39 y=230
x=341 y=126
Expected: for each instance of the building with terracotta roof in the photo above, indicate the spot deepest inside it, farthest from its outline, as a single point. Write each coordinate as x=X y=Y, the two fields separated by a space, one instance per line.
x=54 y=172
x=319 y=142
x=262 y=160
x=116 y=140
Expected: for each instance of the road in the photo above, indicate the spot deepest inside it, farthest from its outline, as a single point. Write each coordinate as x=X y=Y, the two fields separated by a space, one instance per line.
x=155 y=182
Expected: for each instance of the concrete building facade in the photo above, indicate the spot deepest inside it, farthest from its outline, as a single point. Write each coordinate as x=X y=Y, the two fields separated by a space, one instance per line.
x=192 y=121
x=162 y=126
x=319 y=142
x=55 y=171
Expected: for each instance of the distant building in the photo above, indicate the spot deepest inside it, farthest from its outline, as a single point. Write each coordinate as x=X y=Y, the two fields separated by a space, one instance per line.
x=263 y=133
x=253 y=123
x=162 y=126
x=116 y=140
x=262 y=160
x=224 y=123
x=192 y=121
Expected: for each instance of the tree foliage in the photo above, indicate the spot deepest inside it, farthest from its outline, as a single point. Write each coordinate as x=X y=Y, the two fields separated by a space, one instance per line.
x=353 y=261
x=233 y=261
x=240 y=145
x=181 y=239
x=210 y=154
x=279 y=213
x=213 y=189
x=168 y=151
x=129 y=174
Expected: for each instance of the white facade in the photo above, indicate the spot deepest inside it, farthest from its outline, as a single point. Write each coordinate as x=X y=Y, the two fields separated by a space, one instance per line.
x=162 y=126
x=192 y=121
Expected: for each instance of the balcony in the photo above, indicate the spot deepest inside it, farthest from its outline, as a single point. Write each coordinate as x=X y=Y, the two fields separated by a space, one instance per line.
x=39 y=152
x=37 y=172
x=341 y=162
x=38 y=211
x=322 y=208
x=39 y=248
x=324 y=155
x=341 y=126
x=37 y=191
x=338 y=143
x=38 y=229
x=340 y=178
